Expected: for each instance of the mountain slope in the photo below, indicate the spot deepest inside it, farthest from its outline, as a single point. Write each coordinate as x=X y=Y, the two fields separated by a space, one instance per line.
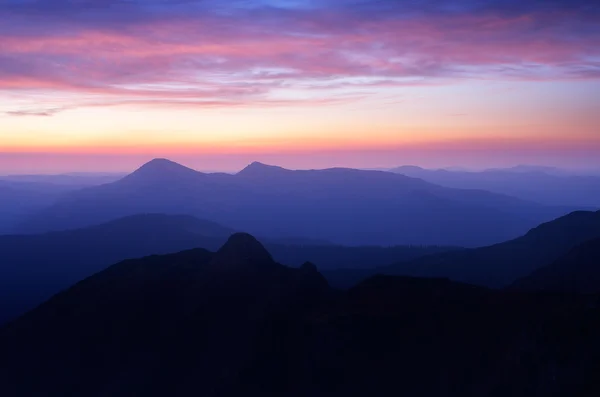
x=21 y=199
x=33 y=267
x=494 y=266
x=345 y=206
x=237 y=323
x=501 y=264
x=78 y=180
x=529 y=183
x=156 y=326
x=576 y=272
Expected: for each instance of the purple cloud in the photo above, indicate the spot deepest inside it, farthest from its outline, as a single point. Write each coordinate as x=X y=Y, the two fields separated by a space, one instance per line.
x=240 y=52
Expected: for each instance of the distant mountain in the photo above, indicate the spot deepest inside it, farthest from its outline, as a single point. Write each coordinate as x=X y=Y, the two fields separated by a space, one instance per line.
x=540 y=184
x=21 y=199
x=551 y=170
x=33 y=267
x=576 y=272
x=237 y=323
x=534 y=168
x=23 y=195
x=76 y=179
x=300 y=241
x=493 y=266
x=344 y=206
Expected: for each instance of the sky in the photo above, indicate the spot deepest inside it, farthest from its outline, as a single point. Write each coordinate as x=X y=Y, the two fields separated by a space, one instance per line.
x=105 y=85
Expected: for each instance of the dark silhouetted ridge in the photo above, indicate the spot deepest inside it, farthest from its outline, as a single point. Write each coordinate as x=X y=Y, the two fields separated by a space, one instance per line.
x=575 y=226
x=577 y=272
x=174 y=325
x=309 y=267
x=502 y=264
x=34 y=267
x=162 y=325
x=242 y=252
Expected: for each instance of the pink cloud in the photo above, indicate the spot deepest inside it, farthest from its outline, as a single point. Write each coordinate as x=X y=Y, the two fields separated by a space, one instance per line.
x=220 y=61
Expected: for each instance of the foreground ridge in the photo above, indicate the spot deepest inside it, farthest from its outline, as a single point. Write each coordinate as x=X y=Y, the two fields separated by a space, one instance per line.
x=235 y=322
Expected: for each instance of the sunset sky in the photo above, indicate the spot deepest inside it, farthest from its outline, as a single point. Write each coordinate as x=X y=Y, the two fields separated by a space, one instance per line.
x=104 y=85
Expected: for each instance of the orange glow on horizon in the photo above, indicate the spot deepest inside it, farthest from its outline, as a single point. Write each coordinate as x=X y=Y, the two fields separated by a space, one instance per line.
x=308 y=146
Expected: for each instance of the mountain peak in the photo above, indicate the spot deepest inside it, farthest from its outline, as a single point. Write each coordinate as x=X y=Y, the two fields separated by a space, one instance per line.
x=242 y=251
x=160 y=168
x=161 y=164
x=257 y=168
x=414 y=168
x=309 y=267
x=575 y=223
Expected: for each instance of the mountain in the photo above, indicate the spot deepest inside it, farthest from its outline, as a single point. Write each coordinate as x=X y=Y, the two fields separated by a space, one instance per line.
x=498 y=265
x=344 y=206
x=576 y=272
x=76 y=179
x=160 y=186
x=158 y=325
x=540 y=184
x=534 y=168
x=236 y=322
x=338 y=256
x=550 y=170
x=23 y=195
x=33 y=267
x=20 y=199
x=162 y=170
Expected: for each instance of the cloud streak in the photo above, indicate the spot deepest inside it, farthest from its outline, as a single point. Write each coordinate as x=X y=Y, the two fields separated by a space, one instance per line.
x=237 y=53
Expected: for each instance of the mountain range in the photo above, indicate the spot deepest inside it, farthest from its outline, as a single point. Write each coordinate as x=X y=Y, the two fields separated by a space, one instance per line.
x=76 y=179
x=577 y=272
x=344 y=206
x=544 y=185
x=34 y=267
x=498 y=265
x=23 y=195
x=19 y=199
x=236 y=322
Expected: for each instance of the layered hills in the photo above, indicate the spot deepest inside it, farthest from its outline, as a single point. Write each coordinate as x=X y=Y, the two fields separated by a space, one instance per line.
x=344 y=206
x=235 y=322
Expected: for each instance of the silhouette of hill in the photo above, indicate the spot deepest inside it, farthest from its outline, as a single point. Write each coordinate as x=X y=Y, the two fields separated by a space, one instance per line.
x=162 y=170
x=198 y=311
x=545 y=185
x=576 y=272
x=36 y=266
x=237 y=323
x=534 y=168
x=497 y=265
x=344 y=206
x=75 y=179
x=339 y=256
x=260 y=171
x=23 y=195
x=21 y=199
